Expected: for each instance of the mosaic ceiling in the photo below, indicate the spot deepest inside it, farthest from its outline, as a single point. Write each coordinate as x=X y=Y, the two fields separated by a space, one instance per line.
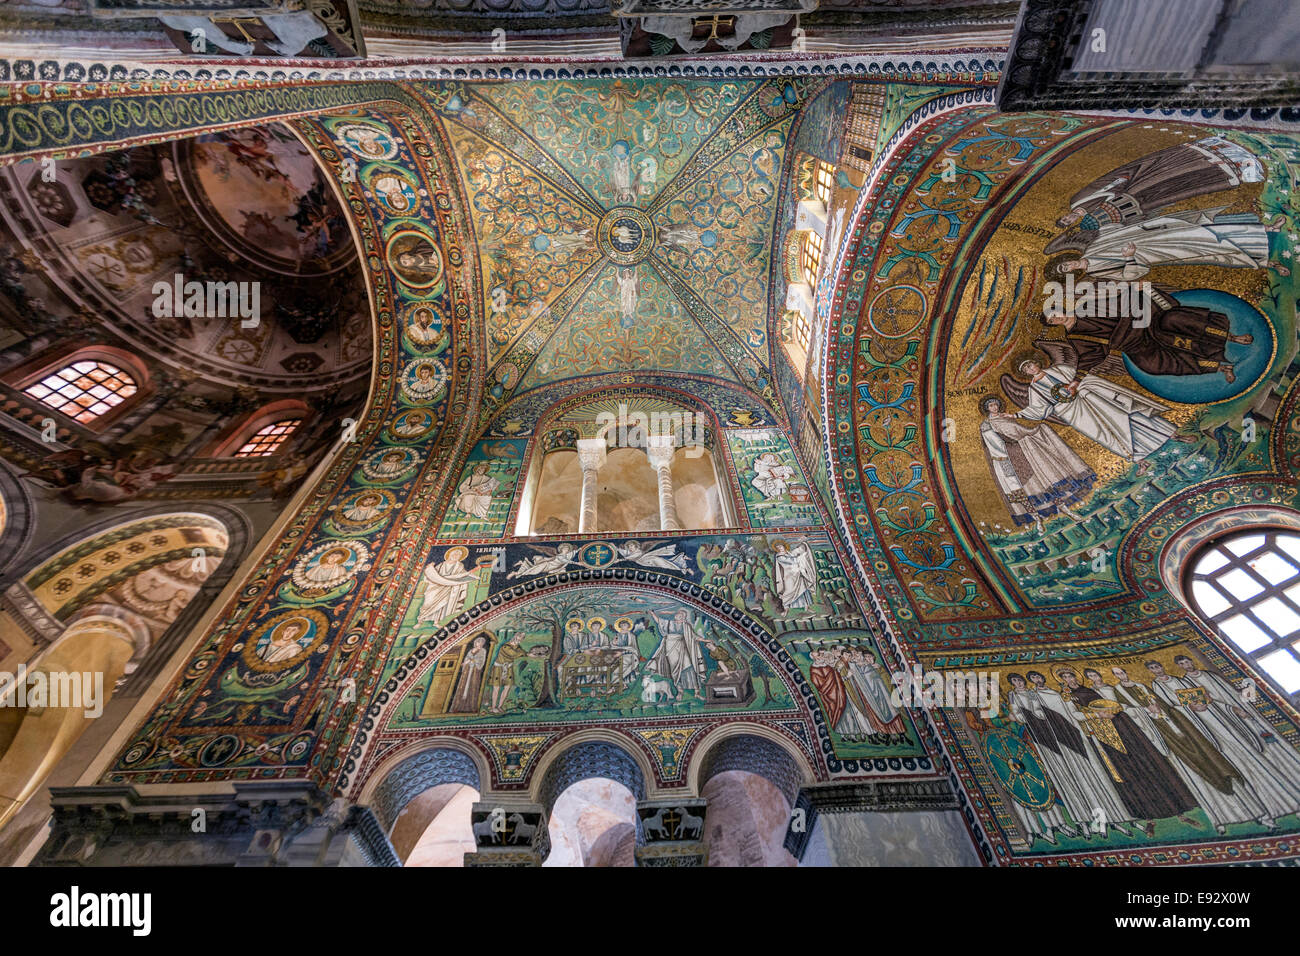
x=623 y=226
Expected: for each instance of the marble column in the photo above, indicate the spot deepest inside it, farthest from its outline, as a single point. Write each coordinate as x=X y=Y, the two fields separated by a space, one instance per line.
x=591 y=455
x=659 y=449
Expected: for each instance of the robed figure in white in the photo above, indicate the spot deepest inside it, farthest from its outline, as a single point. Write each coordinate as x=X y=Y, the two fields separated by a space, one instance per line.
x=474 y=496
x=1252 y=729
x=446 y=584
x=772 y=477
x=1194 y=237
x=1119 y=419
x=1074 y=769
x=1270 y=764
x=1226 y=797
x=796 y=576
x=678 y=656
x=1036 y=472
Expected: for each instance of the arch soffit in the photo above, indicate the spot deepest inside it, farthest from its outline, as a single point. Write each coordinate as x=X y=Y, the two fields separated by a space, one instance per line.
x=719 y=737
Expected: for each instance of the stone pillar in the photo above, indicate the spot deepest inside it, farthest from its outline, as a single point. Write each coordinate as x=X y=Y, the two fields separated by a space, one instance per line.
x=591 y=455
x=509 y=834
x=659 y=449
x=673 y=831
x=880 y=823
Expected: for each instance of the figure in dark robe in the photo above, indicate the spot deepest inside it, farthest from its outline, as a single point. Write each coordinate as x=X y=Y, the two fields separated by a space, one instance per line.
x=1180 y=340
x=1147 y=783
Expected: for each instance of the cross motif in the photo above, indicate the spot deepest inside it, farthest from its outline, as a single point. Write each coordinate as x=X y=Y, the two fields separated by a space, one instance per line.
x=238 y=24
x=672 y=820
x=714 y=22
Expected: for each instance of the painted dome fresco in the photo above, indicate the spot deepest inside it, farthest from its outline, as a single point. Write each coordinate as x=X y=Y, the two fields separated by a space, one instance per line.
x=249 y=206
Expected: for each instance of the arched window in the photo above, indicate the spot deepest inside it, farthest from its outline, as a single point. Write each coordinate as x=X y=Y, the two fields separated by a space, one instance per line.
x=799 y=332
x=812 y=255
x=1247 y=586
x=650 y=467
x=267 y=431
x=268 y=439
x=824 y=181
x=83 y=390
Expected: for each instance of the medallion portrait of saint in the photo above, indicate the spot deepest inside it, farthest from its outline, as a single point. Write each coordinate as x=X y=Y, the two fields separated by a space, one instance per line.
x=411 y=424
x=365 y=508
x=390 y=465
x=286 y=640
x=424 y=381
x=415 y=259
x=366 y=141
x=424 y=330
x=395 y=192
x=330 y=565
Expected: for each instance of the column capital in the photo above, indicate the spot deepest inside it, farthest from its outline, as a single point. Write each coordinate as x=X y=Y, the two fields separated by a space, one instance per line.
x=672 y=831
x=591 y=453
x=509 y=834
x=659 y=449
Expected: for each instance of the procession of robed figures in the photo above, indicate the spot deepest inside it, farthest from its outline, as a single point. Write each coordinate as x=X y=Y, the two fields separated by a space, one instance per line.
x=1118 y=227
x=856 y=695
x=1120 y=754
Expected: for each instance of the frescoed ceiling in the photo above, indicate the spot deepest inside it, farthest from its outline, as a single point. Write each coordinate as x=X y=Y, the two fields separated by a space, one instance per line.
x=247 y=206
x=625 y=225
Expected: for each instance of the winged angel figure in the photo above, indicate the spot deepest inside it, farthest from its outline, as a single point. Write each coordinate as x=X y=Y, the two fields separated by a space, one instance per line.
x=1119 y=419
x=551 y=560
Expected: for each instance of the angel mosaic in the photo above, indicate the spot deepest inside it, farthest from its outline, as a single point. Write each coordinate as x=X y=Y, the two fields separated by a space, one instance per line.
x=557 y=558
x=1121 y=420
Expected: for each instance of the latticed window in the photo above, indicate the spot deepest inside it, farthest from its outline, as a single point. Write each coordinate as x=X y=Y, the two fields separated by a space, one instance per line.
x=83 y=390
x=268 y=439
x=800 y=331
x=1248 y=587
x=812 y=255
x=824 y=181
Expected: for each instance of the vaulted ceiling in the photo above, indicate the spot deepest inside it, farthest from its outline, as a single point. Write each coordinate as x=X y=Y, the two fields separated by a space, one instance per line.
x=623 y=225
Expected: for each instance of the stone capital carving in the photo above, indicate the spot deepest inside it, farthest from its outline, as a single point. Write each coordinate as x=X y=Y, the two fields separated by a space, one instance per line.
x=591 y=453
x=659 y=449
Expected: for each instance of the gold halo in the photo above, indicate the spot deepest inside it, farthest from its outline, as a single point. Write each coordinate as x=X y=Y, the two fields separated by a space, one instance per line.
x=572 y=621
x=621 y=621
x=596 y=620
x=1057 y=668
x=460 y=553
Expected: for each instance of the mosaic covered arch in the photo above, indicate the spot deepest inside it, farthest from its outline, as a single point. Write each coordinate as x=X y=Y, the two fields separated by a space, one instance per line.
x=1010 y=479
x=356 y=592
x=258 y=697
